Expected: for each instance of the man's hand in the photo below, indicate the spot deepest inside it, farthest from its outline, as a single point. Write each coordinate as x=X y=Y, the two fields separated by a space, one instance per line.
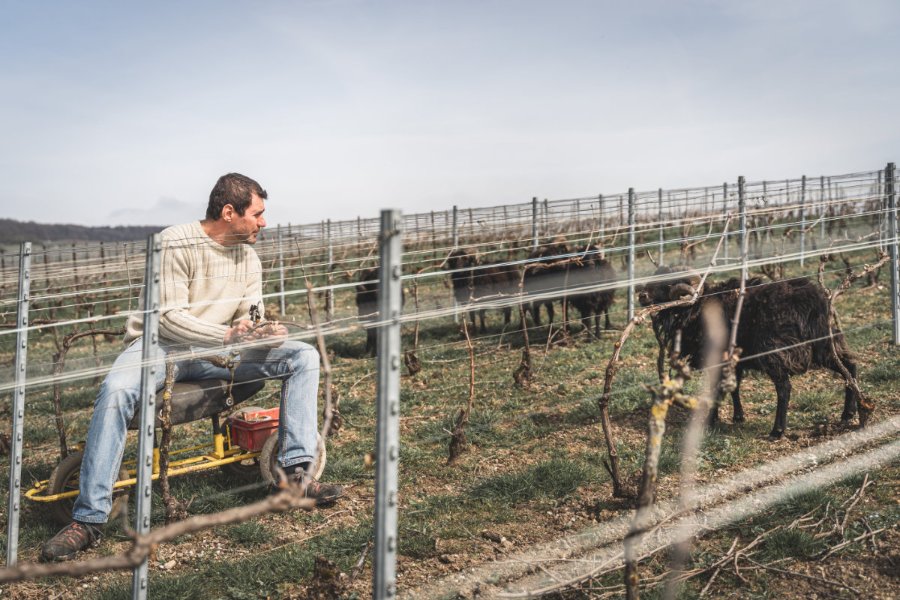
x=269 y=335
x=236 y=334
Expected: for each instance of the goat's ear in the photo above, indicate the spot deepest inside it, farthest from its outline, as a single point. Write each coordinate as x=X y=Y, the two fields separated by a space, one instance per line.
x=680 y=290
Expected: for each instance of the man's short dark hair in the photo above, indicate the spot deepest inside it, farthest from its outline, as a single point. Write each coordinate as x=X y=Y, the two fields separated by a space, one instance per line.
x=234 y=189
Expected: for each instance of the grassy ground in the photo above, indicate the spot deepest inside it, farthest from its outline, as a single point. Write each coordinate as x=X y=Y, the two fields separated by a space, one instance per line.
x=532 y=472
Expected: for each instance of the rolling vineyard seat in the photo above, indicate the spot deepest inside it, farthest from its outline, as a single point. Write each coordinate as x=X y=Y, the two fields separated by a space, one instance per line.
x=196 y=400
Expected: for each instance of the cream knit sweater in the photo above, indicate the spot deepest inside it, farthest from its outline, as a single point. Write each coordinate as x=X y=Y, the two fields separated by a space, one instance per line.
x=204 y=288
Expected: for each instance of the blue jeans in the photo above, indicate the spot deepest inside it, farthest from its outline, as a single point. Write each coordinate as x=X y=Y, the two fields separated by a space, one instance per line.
x=295 y=363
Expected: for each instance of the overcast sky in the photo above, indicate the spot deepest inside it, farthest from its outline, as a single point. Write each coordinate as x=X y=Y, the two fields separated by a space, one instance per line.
x=126 y=113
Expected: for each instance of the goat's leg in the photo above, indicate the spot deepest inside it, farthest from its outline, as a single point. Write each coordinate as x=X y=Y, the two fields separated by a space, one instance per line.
x=536 y=313
x=608 y=325
x=850 y=396
x=371 y=341
x=481 y=318
x=713 y=418
x=661 y=360
x=737 y=407
x=588 y=320
x=783 y=389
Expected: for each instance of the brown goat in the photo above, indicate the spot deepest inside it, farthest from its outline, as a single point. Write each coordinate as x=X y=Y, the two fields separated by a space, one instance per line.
x=474 y=281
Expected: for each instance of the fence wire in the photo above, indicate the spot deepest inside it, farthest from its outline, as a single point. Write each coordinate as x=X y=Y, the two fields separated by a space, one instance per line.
x=456 y=265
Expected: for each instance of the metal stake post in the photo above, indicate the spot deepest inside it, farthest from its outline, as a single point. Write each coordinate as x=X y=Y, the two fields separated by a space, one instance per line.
x=433 y=234
x=724 y=218
x=891 y=200
x=787 y=199
x=280 y=271
x=600 y=218
x=546 y=220
x=455 y=227
x=139 y=581
x=802 y=220
x=823 y=204
x=534 y=223
x=577 y=215
x=329 y=296
x=630 y=253
x=768 y=218
x=882 y=216
x=387 y=444
x=662 y=235
x=742 y=211
x=18 y=408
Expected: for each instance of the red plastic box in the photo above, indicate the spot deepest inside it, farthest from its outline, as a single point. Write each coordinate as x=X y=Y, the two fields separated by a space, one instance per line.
x=249 y=430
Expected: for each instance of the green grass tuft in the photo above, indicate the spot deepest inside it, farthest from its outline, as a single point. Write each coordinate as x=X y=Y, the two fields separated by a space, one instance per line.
x=555 y=478
x=794 y=543
x=250 y=533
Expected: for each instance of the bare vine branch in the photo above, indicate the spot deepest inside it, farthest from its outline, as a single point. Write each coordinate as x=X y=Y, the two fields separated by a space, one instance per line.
x=289 y=498
x=613 y=365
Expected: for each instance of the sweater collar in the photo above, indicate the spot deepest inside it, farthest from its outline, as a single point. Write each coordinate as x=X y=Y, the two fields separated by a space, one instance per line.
x=202 y=235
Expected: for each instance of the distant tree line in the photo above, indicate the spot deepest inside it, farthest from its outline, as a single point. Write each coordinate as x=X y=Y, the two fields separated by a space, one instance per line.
x=14 y=232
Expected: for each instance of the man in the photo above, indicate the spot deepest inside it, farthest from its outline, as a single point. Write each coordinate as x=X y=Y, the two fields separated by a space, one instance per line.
x=210 y=277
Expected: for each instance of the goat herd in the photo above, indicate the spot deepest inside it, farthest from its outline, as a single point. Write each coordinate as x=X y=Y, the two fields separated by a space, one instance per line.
x=785 y=327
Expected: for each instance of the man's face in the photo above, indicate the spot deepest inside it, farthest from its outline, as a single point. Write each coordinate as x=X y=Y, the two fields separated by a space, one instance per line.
x=244 y=229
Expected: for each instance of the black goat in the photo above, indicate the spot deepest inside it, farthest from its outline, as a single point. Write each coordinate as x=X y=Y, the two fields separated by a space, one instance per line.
x=589 y=269
x=783 y=331
x=367 y=305
x=474 y=281
x=546 y=272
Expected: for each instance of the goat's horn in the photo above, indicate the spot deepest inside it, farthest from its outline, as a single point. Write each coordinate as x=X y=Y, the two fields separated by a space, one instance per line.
x=680 y=290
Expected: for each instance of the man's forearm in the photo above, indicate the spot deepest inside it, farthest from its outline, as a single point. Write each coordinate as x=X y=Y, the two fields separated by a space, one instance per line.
x=179 y=326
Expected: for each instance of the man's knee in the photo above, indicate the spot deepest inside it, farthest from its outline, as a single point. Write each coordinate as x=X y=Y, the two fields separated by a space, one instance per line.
x=118 y=390
x=303 y=356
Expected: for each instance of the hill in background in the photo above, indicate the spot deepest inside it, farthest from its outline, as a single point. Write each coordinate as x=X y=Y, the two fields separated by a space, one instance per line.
x=14 y=232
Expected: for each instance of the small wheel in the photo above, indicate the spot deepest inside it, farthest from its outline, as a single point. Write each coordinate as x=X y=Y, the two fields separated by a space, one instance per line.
x=64 y=478
x=248 y=468
x=268 y=458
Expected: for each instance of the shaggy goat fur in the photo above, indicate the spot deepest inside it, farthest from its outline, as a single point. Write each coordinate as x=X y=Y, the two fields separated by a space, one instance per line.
x=783 y=331
x=474 y=281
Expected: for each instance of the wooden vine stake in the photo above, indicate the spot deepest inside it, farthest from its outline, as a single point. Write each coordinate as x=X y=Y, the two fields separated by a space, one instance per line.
x=413 y=365
x=59 y=363
x=175 y=509
x=612 y=466
x=667 y=393
x=458 y=440
x=331 y=415
x=866 y=405
x=522 y=374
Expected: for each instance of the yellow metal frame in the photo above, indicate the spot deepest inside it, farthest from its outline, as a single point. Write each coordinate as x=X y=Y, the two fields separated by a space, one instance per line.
x=222 y=453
